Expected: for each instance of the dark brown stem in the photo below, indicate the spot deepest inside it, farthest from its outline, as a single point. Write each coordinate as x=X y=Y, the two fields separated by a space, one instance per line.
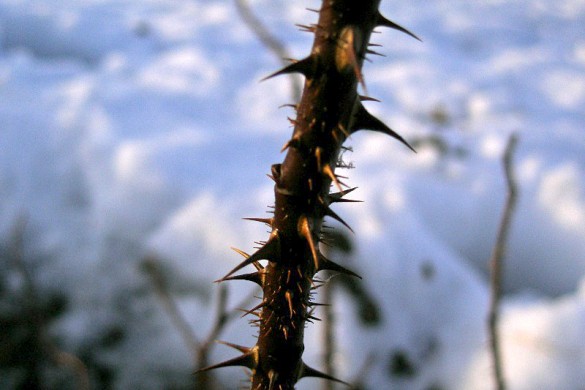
x=329 y=111
x=302 y=186
x=496 y=262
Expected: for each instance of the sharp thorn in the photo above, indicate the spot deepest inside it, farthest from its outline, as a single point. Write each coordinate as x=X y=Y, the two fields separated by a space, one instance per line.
x=252 y=310
x=382 y=21
x=326 y=264
x=234 y=346
x=366 y=121
x=307 y=371
x=368 y=98
x=294 y=142
x=289 y=295
x=270 y=251
x=333 y=214
x=375 y=53
x=305 y=231
x=352 y=56
x=319 y=304
x=337 y=196
x=304 y=67
x=327 y=170
x=248 y=359
x=267 y=221
x=251 y=277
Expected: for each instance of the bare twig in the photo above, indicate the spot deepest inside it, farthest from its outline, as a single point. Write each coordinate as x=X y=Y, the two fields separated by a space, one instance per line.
x=200 y=349
x=161 y=289
x=496 y=262
x=269 y=41
x=328 y=324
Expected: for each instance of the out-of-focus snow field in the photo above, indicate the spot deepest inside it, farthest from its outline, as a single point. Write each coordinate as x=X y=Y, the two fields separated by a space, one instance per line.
x=138 y=128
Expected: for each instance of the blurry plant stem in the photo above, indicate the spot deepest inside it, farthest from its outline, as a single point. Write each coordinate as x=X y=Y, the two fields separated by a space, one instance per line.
x=269 y=41
x=200 y=350
x=328 y=326
x=496 y=262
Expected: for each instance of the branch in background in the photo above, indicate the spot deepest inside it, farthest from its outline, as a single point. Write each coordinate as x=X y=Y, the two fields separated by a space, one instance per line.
x=496 y=262
x=161 y=288
x=200 y=350
x=269 y=41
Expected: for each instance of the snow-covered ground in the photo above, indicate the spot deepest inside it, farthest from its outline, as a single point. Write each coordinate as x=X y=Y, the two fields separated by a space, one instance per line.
x=138 y=129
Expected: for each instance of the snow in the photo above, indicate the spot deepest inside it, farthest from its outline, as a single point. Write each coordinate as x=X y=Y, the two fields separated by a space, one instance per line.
x=138 y=129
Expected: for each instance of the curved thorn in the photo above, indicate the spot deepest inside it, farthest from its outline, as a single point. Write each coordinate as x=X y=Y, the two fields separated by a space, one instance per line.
x=267 y=221
x=252 y=310
x=234 y=346
x=254 y=277
x=336 y=196
x=304 y=67
x=368 y=98
x=307 y=371
x=326 y=264
x=333 y=214
x=326 y=169
x=366 y=121
x=375 y=53
x=248 y=360
x=382 y=21
x=270 y=251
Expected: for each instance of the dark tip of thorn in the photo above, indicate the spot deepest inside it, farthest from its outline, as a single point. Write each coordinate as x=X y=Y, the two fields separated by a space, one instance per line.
x=234 y=346
x=246 y=360
x=304 y=67
x=337 y=196
x=368 y=98
x=270 y=251
x=326 y=264
x=267 y=221
x=251 y=277
x=366 y=121
x=307 y=371
x=382 y=21
x=333 y=214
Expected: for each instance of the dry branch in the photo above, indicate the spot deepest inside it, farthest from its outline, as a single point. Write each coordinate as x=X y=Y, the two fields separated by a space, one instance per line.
x=496 y=262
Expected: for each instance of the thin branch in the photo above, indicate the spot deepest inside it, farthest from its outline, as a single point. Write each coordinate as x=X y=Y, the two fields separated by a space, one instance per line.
x=267 y=40
x=328 y=325
x=496 y=262
x=162 y=292
x=200 y=349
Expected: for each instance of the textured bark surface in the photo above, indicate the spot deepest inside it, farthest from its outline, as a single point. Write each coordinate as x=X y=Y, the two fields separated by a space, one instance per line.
x=329 y=111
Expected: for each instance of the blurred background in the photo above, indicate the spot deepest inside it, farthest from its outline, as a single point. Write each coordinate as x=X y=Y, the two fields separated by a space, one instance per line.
x=135 y=136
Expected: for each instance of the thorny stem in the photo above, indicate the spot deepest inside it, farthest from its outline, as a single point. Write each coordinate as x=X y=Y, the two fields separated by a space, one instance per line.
x=302 y=186
x=330 y=110
x=496 y=262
